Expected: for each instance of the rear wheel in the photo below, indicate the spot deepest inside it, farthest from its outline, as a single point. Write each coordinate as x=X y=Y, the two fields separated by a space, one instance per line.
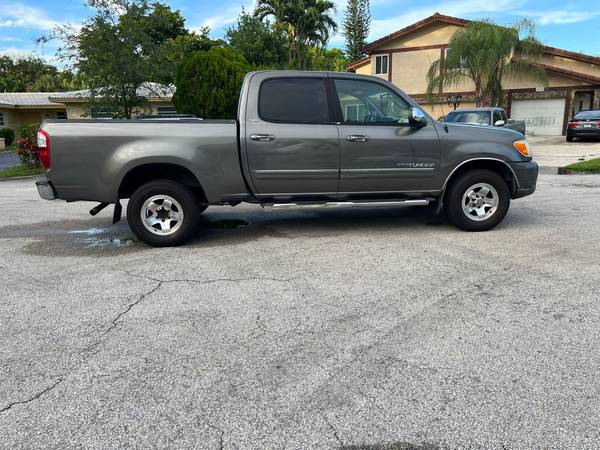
x=478 y=200
x=163 y=213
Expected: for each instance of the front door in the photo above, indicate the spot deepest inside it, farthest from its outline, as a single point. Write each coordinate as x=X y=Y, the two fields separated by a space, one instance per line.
x=293 y=146
x=381 y=151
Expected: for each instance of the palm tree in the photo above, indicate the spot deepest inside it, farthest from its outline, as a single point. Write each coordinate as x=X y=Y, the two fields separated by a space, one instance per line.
x=306 y=22
x=488 y=54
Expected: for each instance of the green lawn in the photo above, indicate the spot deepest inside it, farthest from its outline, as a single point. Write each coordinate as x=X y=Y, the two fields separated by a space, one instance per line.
x=585 y=166
x=21 y=171
x=11 y=148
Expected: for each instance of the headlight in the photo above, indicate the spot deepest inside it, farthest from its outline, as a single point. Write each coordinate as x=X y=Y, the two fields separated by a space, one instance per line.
x=522 y=147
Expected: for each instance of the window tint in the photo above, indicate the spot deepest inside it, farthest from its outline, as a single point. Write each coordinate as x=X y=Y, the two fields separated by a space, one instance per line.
x=294 y=100
x=368 y=102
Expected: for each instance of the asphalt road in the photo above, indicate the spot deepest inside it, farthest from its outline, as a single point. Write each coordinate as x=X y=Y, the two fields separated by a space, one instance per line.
x=376 y=328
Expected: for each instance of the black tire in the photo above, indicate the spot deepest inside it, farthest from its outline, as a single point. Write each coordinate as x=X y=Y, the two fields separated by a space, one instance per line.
x=182 y=231
x=570 y=138
x=453 y=202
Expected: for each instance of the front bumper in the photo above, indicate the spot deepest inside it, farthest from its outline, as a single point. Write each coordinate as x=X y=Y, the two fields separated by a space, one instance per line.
x=527 y=174
x=46 y=190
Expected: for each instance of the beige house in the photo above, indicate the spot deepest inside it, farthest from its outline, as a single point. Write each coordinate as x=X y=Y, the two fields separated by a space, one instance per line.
x=159 y=96
x=22 y=108
x=405 y=56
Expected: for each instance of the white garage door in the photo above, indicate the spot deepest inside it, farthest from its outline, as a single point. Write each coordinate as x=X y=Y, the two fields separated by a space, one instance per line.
x=542 y=117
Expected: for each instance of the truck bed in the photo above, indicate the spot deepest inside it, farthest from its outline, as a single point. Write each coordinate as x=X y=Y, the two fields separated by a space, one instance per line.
x=90 y=157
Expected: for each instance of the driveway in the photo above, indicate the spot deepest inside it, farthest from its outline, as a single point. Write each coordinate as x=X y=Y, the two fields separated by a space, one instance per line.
x=8 y=159
x=319 y=329
x=552 y=152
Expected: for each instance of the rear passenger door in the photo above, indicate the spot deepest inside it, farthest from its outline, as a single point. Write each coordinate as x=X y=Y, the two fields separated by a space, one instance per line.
x=292 y=144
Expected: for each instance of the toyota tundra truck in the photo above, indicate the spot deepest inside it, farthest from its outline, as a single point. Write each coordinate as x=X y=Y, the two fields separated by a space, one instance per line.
x=301 y=139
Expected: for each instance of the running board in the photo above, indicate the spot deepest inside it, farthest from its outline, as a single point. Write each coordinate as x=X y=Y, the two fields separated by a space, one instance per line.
x=329 y=205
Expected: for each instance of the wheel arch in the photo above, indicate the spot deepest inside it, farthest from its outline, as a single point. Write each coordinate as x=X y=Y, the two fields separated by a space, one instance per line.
x=495 y=165
x=143 y=173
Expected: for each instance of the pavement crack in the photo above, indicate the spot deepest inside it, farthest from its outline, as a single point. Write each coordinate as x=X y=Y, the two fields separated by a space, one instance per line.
x=336 y=435
x=33 y=397
x=118 y=318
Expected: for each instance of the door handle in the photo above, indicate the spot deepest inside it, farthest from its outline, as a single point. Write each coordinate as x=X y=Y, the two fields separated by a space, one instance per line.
x=357 y=138
x=262 y=137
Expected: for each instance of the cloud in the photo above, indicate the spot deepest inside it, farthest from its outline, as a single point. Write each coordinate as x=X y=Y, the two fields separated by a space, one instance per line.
x=228 y=16
x=560 y=16
x=18 y=15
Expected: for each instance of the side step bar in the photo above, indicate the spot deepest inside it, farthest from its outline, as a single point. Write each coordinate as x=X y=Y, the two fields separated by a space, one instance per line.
x=330 y=205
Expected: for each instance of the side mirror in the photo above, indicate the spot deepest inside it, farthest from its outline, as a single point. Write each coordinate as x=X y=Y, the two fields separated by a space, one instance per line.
x=499 y=123
x=417 y=117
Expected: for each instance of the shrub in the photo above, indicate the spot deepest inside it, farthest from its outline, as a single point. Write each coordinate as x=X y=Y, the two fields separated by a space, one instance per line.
x=8 y=134
x=27 y=149
x=209 y=83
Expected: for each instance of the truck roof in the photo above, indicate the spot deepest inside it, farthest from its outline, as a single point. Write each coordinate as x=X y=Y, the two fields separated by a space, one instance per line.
x=484 y=108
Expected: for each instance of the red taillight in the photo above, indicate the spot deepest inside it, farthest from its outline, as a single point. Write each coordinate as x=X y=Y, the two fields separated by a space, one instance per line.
x=43 y=144
x=572 y=124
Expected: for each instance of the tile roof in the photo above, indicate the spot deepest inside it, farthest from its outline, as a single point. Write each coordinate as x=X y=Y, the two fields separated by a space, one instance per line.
x=12 y=99
x=149 y=90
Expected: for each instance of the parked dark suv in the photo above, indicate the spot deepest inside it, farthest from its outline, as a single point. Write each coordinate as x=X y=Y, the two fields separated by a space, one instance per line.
x=584 y=124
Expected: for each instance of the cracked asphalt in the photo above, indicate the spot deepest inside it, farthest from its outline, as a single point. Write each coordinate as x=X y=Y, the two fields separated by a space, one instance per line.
x=360 y=328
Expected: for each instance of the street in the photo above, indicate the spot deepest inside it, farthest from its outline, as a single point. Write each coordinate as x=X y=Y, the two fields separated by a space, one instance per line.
x=357 y=328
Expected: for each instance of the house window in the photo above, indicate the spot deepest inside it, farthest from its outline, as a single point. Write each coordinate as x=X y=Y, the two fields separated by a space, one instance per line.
x=61 y=115
x=461 y=63
x=355 y=113
x=381 y=65
x=166 y=110
x=1 y=119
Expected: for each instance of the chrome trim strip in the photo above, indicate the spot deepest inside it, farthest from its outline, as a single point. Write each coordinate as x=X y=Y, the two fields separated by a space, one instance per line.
x=292 y=171
x=479 y=159
x=387 y=169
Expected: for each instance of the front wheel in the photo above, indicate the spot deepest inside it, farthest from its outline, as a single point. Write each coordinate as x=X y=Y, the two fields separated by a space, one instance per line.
x=478 y=200
x=163 y=213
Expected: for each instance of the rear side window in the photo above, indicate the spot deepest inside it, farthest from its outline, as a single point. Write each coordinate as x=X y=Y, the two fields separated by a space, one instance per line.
x=293 y=100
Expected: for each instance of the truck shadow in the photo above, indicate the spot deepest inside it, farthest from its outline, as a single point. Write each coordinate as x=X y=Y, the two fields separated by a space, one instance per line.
x=97 y=237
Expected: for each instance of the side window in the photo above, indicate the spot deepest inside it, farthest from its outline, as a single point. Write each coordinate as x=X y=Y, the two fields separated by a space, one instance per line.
x=370 y=103
x=503 y=116
x=293 y=100
x=381 y=65
x=497 y=117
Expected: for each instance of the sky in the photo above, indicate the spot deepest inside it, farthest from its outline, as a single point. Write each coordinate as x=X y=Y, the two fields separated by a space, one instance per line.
x=563 y=24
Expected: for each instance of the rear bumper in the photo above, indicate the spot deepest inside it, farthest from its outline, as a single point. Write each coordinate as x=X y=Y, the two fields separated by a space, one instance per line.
x=46 y=190
x=582 y=132
x=527 y=174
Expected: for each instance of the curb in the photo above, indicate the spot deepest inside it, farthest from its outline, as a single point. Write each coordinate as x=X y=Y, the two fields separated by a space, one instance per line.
x=28 y=177
x=565 y=171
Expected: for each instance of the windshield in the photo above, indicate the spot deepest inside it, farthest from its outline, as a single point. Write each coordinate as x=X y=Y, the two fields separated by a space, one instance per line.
x=470 y=117
x=583 y=115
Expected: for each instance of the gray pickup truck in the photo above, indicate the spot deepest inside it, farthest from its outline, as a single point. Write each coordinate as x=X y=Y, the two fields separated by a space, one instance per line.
x=300 y=139
x=492 y=116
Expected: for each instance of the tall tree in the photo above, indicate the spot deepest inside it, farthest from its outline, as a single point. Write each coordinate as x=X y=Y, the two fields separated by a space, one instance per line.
x=356 y=26
x=261 y=44
x=116 y=50
x=32 y=74
x=208 y=84
x=306 y=23
x=488 y=54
